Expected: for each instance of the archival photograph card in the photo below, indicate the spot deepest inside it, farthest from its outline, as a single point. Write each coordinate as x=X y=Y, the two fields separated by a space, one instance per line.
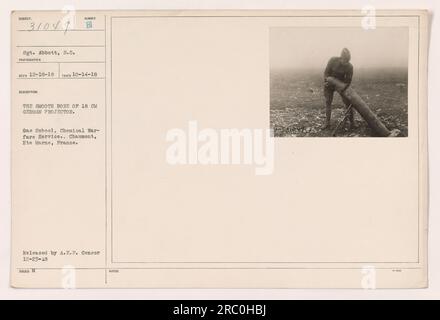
x=219 y=149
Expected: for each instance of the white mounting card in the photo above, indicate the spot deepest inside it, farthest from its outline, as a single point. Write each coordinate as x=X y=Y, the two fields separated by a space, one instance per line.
x=219 y=149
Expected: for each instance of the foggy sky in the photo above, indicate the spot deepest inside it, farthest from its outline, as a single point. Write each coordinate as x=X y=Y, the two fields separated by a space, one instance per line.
x=313 y=47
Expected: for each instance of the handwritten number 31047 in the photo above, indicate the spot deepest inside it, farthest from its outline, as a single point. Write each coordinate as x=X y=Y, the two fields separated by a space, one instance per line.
x=47 y=26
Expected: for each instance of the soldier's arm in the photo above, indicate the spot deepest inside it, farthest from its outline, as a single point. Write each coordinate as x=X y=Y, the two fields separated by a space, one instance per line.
x=328 y=68
x=348 y=78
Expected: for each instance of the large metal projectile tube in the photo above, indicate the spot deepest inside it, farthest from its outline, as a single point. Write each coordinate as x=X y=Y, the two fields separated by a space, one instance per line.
x=373 y=121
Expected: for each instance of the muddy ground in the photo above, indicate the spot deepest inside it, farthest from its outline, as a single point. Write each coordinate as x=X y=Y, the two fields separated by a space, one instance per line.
x=297 y=105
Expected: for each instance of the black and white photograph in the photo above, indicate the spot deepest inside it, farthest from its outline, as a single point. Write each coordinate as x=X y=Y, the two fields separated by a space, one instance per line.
x=339 y=82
